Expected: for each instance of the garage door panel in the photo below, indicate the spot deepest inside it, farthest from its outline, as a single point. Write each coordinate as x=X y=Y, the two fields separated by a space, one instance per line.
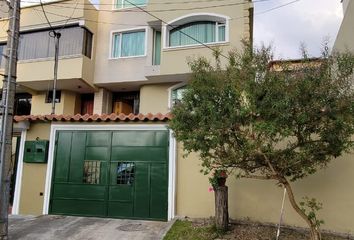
x=120 y=193
x=140 y=138
x=98 y=138
x=61 y=169
x=120 y=209
x=111 y=173
x=142 y=190
x=158 y=198
x=79 y=191
x=79 y=207
x=139 y=154
x=77 y=157
x=97 y=153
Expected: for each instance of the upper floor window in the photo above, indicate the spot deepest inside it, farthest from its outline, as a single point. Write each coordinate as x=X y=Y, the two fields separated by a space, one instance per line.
x=2 y=52
x=129 y=4
x=128 y=44
x=196 y=29
x=196 y=33
x=73 y=41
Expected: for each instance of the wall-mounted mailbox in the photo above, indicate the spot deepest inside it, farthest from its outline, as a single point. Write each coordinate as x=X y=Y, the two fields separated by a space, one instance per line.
x=36 y=151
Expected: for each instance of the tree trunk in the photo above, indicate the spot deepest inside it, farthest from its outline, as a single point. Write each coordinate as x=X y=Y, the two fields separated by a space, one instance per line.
x=315 y=233
x=221 y=208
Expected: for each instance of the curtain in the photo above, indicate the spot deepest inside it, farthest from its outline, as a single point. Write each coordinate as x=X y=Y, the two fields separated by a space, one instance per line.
x=193 y=33
x=40 y=45
x=133 y=44
x=157 y=48
x=115 y=47
x=221 y=35
x=2 y=51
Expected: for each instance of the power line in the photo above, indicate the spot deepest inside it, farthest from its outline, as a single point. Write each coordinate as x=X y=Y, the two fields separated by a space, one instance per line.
x=171 y=25
x=277 y=7
x=55 y=5
x=153 y=3
x=167 y=24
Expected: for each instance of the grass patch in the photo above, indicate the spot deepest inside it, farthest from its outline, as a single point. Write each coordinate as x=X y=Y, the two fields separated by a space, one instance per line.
x=197 y=230
x=187 y=230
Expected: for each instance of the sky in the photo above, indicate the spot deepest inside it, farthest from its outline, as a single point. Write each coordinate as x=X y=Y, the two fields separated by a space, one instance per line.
x=304 y=21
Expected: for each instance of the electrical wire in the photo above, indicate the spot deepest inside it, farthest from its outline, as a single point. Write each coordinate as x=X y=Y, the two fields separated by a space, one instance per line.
x=185 y=34
x=152 y=3
x=158 y=10
x=170 y=25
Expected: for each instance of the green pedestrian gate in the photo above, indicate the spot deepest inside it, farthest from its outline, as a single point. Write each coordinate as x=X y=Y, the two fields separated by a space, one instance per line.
x=120 y=174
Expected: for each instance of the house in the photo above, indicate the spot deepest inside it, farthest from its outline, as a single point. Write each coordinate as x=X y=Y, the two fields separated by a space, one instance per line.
x=109 y=151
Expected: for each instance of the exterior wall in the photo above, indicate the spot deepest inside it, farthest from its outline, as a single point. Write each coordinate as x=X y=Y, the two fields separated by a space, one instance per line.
x=261 y=200
x=345 y=35
x=238 y=29
x=154 y=98
x=68 y=104
x=122 y=69
x=102 y=102
x=34 y=175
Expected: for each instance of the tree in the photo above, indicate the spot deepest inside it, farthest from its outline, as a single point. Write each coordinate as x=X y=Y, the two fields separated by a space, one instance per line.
x=266 y=121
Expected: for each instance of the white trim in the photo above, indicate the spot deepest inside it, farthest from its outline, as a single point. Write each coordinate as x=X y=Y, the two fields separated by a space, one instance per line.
x=136 y=127
x=191 y=18
x=172 y=178
x=17 y=193
x=120 y=31
x=170 y=89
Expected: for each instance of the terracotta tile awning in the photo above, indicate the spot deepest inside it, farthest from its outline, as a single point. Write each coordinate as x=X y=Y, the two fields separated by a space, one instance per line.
x=94 y=118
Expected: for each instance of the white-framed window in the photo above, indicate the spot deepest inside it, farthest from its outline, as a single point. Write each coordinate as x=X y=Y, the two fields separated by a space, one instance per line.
x=175 y=94
x=120 y=4
x=128 y=43
x=196 y=29
x=196 y=33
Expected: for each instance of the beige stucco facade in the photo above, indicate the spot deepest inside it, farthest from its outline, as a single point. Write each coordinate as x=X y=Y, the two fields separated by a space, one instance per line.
x=34 y=175
x=104 y=76
x=344 y=40
x=260 y=200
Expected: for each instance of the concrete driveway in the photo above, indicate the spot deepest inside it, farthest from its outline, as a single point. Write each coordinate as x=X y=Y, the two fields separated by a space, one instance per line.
x=65 y=227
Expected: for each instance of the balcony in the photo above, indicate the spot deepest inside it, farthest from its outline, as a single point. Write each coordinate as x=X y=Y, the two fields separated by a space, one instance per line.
x=35 y=69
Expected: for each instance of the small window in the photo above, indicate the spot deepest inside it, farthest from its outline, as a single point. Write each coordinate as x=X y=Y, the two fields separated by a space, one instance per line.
x=125 y=102
x=49 y=97
x=87 y=44
x=177 y=95
x=128 y=44
x=125 y=173
x=23 y=103
x=92 y=170
x=129 y=4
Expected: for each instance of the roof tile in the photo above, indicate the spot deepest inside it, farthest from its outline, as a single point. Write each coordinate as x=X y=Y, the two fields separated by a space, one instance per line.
x=95 y=117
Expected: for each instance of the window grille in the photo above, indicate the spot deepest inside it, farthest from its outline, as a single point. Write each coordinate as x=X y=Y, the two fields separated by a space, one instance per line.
x=92 y=171
x=125 y=173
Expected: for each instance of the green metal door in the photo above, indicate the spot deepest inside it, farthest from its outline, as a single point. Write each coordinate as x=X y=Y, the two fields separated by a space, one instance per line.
x=122 y=174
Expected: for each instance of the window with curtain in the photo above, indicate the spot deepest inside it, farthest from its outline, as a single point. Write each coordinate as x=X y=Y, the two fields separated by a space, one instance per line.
x=73 y=41
x=128 y=44
x=130 y=3
x=2 y=52
x=177 y=95
x=196 y=33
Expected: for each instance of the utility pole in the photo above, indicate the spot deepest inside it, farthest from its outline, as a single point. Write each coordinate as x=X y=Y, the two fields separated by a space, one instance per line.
x=56 y=36
x=7 y=111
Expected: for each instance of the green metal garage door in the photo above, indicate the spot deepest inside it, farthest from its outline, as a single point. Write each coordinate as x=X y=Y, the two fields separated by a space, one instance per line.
x=122 y=174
